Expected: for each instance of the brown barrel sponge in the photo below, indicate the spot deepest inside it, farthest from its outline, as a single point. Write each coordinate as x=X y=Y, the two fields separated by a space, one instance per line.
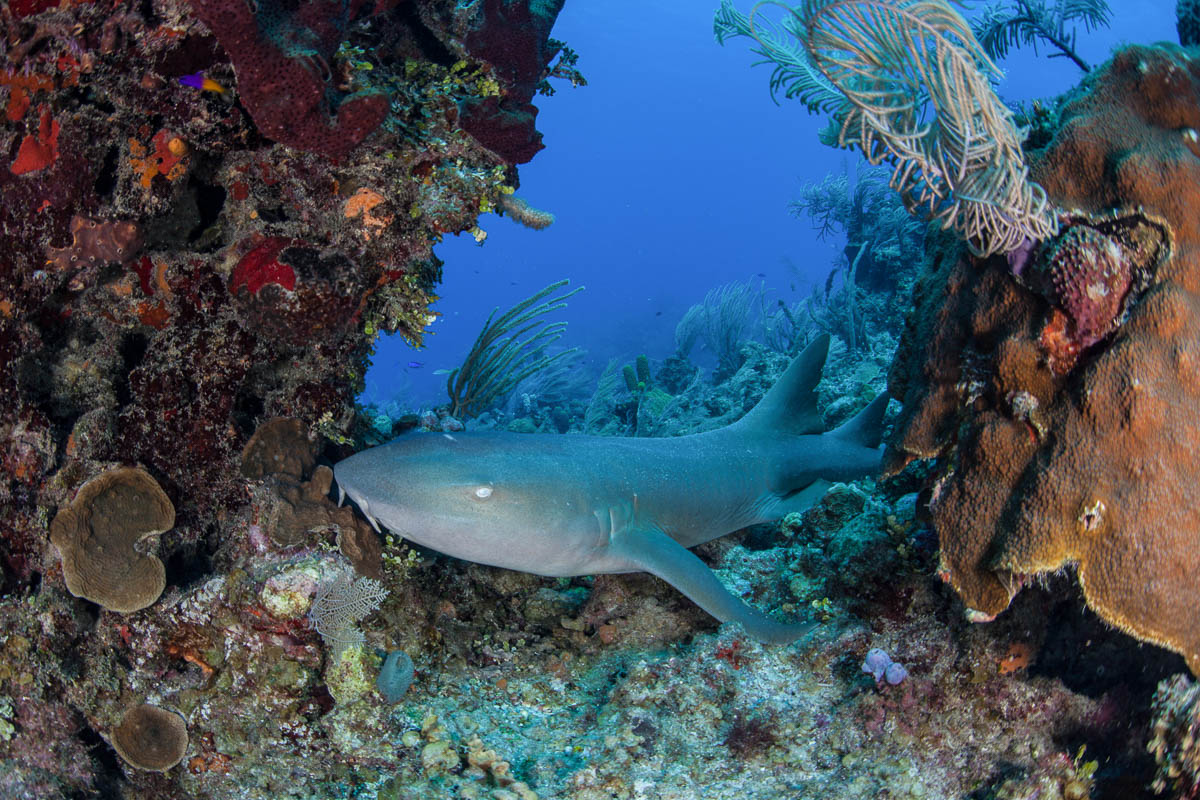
x=97 y=534
x=151 y=738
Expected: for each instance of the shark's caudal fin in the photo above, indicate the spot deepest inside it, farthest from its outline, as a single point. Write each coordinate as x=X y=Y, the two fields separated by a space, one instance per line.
x=791 y=404
x=865 y=427
x=657 y=553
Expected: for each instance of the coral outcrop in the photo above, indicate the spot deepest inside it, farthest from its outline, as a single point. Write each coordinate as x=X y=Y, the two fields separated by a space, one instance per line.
x=1063 y=402
x=178 y=269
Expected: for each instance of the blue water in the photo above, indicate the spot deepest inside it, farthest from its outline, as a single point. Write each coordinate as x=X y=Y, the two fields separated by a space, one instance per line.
x=670 y=174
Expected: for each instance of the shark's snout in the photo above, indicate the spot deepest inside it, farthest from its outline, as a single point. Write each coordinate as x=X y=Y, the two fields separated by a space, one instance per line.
x=351 y=478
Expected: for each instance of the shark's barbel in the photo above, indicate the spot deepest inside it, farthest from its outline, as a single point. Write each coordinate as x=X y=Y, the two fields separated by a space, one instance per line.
x=565 y=505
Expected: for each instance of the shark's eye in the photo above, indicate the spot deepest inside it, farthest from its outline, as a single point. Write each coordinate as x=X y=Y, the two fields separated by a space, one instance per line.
x=483 y=492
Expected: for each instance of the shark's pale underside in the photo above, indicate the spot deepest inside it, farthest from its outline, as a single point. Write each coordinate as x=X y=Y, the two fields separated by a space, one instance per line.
x=568 y=504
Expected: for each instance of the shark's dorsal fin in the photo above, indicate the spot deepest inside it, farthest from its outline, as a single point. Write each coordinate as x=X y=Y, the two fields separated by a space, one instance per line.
x=865 y=427
x=791 y=404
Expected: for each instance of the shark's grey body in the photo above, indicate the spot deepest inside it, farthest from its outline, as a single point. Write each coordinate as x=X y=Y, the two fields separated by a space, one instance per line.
x=565 y=505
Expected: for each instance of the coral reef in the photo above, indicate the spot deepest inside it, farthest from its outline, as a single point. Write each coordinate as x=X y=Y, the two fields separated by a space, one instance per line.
x=1061 y=402
x=576 y=689
x=1175 y=737
x=188 y=297
x=175 y=277
x=210 y=210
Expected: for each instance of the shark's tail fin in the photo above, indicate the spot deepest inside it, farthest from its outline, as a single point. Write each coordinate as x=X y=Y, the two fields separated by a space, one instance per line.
x=865 y=427
x=791 y=404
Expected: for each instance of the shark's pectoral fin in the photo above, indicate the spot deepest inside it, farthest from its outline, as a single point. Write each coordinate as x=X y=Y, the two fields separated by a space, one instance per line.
x=657 y=553
x=802 y=500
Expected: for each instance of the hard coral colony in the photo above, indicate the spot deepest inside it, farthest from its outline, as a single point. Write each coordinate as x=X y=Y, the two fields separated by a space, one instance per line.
x=210 y=209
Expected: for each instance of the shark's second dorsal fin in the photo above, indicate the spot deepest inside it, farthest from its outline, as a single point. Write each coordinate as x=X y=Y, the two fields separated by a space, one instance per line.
x=791 y=404
x=865 y=427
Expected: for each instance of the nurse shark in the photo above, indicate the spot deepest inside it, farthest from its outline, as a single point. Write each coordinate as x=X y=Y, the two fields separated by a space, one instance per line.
x=570 y=504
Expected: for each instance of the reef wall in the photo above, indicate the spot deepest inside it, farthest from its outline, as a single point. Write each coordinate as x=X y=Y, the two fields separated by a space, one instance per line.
x=205 y=225
x=209 y=211
x=1059 y=390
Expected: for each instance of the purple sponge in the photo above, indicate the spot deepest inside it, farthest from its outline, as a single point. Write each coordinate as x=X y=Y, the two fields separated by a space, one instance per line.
x=879 y=665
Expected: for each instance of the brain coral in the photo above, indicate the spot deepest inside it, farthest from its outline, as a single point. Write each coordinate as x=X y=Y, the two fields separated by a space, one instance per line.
x=1066 y=415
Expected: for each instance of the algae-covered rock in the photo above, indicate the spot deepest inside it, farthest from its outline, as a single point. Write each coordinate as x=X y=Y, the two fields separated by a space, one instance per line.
x=352 y=674
x=288 y=594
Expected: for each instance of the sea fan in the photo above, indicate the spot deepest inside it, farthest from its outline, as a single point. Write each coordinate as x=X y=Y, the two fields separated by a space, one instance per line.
x=340 y=604
x=793 y=74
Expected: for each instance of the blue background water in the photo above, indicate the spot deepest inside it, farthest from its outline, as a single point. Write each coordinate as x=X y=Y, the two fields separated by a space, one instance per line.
x=670 y=173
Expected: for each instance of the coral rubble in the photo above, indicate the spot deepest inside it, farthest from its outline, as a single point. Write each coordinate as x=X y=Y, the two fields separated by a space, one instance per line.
x=1061 y=392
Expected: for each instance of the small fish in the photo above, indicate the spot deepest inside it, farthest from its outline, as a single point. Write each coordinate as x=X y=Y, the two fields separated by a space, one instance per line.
x=198 y=81
x=416 y=364
x=762 y=274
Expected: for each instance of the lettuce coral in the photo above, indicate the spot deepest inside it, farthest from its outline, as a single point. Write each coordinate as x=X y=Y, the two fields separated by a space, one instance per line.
x=97 y=537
